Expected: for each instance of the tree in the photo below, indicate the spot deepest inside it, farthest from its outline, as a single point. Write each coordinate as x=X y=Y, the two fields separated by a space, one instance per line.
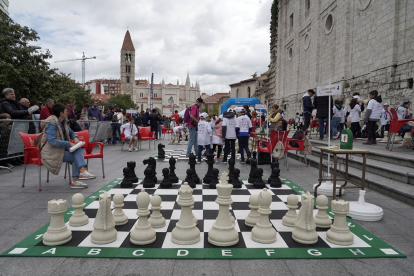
x=25 y=68
x=123 y=101
x=255 y=74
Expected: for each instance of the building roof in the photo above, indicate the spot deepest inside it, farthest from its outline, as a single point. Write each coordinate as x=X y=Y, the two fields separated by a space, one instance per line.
x=220 y=95
x=128 y=45
x=211 y=100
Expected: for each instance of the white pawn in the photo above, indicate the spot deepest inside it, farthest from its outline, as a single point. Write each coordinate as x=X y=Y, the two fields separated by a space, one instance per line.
x=156 y=219
x=339 y=232
x=79 y=217
x=119 y=216
x=57 y=233
x=143 y=233
x=263 y=232
x=291 y=215
x=253 y=217
x=322 y=219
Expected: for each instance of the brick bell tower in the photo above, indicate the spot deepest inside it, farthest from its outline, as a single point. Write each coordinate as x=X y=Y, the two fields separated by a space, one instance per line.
x=127 y=65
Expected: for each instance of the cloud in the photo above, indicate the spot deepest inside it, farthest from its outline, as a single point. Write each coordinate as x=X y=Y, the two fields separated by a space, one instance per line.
x=218 y=42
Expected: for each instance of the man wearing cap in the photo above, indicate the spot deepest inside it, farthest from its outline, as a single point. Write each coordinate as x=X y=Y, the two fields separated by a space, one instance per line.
x=192 y=126
x=385 y=119
x=307 y=108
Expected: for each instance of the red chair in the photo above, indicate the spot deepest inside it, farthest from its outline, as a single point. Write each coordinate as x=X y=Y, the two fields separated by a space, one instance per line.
x=275 y=137
x=32 y=157
x=87 y=153
x=395 y=126
x=300 y=148
x=146 y=134
x=166 y=131
x=123 y=139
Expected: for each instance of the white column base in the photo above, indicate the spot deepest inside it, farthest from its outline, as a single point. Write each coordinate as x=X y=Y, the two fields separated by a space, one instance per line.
x=326 y=188
x=360 y=210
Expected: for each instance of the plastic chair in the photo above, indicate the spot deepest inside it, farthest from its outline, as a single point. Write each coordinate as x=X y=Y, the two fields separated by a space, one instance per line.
x=88 y=154
x=395 y=126
x=275 y=137
x=300 y=148
x=32 y=157
x=146 y=134
x=166 y=131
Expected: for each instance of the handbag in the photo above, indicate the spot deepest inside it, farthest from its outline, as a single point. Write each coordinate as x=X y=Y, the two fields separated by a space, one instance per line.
x=38 y=142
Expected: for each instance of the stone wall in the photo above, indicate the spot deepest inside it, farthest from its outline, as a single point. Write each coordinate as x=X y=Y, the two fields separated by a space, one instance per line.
x=363 y=44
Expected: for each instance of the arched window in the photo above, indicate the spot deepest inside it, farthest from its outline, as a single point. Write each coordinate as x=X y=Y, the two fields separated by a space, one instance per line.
x=248 y=92
x=126 y=57
x=127 y=79
x=129 y=57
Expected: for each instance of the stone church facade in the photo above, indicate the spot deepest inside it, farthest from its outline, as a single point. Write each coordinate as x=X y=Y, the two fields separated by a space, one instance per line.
x=363 y=44
x=184 y=95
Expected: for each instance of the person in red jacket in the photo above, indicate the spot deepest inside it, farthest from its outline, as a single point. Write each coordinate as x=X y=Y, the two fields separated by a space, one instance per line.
x=175 y=116
x=47 y=110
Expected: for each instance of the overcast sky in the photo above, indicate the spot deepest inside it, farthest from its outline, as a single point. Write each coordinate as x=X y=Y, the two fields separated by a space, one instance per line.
x=218 y=41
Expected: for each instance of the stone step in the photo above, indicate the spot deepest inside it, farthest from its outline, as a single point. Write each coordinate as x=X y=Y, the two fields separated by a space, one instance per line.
x=401 y=157
x=395 y=189
x=399 y=173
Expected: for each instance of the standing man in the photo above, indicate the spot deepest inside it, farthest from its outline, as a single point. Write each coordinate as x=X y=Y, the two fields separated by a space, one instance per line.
x=321 y=104
x=70 y=107
x=145 y=117
x=192 y=126
x=175 y=116
x=10 y=106
x=307 y=108
x=372 y=116
x=243 y=129
x=94 y=113
x=153 y=121
x=47 y=110
x=24 y=105
x=247 y=111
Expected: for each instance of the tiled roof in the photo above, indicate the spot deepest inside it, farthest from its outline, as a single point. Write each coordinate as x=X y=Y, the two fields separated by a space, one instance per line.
x=128 y=45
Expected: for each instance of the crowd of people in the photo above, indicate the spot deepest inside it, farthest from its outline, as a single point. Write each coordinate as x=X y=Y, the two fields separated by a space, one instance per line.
x=375 y=112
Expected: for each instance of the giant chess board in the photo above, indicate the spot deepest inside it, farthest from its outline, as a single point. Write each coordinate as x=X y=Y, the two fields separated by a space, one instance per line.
x=179 y=155
x=366 y=245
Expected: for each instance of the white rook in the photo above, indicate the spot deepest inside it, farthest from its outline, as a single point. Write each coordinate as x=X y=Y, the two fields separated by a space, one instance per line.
x=57 y=233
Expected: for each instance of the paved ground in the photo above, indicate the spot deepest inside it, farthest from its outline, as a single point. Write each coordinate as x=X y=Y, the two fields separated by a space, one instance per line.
x=23 y=211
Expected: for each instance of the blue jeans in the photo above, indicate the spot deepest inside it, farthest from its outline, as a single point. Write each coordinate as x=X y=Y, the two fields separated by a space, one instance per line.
x=77 y=160
x=244 y=145
x=322 y=126
x=159 y=130
x=115 y=127
x=200 y=149
x=193 y=140
x=334 y=125
x=405 y=128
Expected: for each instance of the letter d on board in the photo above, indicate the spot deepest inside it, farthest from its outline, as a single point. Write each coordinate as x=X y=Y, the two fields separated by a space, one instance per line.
x=182 y=253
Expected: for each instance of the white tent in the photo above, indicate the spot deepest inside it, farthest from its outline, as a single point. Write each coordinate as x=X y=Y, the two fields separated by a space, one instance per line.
x=181 y=113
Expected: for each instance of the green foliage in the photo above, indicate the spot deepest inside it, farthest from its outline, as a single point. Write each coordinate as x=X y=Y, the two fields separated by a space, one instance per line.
x=254 y=75
x=123 y=101
x=26 y=69
x=216 y=109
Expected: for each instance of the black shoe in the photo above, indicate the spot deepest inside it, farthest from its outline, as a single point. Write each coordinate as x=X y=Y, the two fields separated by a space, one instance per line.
x=368 y=143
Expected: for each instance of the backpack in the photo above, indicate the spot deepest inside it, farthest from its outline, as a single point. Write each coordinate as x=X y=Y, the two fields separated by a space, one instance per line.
x=298 y=135
x=187 y=118
x=74 y=125
x=115 y=118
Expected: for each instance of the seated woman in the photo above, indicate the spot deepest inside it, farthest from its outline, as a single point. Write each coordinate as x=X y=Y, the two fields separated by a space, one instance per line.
x=281 y=125
x=56 y=144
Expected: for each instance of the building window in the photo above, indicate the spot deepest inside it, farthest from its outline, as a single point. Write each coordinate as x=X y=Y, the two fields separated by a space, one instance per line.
x=126 y=57
x=329 y=23
x=248 y=92
x=410 y=83
x=290 y=53
x=307 y=7
x=127 y=79
x=291 y=22
x=129 y=57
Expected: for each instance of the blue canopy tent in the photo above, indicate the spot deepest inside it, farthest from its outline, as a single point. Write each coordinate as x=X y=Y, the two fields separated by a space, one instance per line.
x=239 y=101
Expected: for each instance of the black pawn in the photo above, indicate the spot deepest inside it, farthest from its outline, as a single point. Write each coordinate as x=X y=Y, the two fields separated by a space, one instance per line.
x=274 y=164
x=172 y=176
x=161 y=151
x=126 y=182
x=166 y=182
x=192 y=162
x=276 y=182
x=189 y=178
x=253 y=167
x=131 y=165
x=231 y=163
x=259 y=183
x=214 y=179
x=210 y=163
x=237 y=183
x=148 y=181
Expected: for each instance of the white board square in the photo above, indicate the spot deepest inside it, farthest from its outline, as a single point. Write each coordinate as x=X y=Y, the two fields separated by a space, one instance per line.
x=280 y=243
x=166 y=192
x=277 y=223
x=387 y=251
x=117 y=243
x=241 y=214
x=358 y=242
x=18 y=250
x=208 y=224
x=169 y=244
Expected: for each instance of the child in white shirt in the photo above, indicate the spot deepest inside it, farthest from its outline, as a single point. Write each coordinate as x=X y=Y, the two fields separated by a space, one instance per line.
x=203 y=137
x=229 y=134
